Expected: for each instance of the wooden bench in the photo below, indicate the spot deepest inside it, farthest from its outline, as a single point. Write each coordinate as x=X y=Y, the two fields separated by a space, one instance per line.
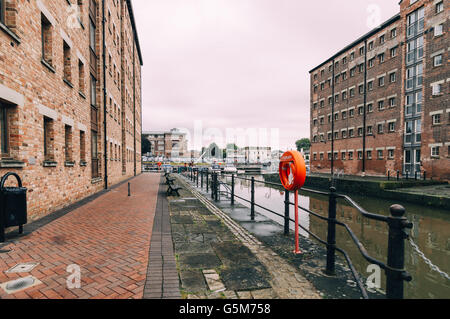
x=173 y=189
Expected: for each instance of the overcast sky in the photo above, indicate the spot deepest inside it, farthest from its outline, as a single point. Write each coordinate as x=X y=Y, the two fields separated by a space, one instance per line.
x=242 y=63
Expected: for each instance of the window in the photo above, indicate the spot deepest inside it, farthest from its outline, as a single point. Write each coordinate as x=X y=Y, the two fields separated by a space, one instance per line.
x=361 y=51
x=369 y=155
x=380 y=105
x=351 y=113
x=344 y=134
x=344 y=95
x=350 y=155
x=392 y=102
x=370 y=46
x=343 y=156
x=360 y=155
x=82 y=146
x=394 y=52
x=371 y=62
x=48 y=139
x=380 y=128
x=392 y=127
x=361 y=110
x=46 y=38
x=382 y=39
x=437 y=60
x=381 y=58
x=393 y=33
x=352 y=72
x=370 y=85
x=360 y=131
x=439 y=30
x=436 y=119
x=391 y=154
x=352 y=56
x=381 y=81
x=344 y=76
x=361 y=68
x=81 y=76
x=3 y=131
x=361 y=89
x=435 y=151
x=67 y=63
x=351 y=132
x=344 y=60
x=344 y=115
x=92 y=36
x=369 y=130
x=436 y=89
x=321 y=156
x=439 y=7
x=352 y=92
x=392 y=77
x=380 y=154
x=93 y=91
x=370 y=107
x=68 y=143
x=2 y=11
x=94 y=154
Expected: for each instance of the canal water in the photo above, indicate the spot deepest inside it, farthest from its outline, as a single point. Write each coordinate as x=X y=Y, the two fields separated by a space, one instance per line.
x=431 y=232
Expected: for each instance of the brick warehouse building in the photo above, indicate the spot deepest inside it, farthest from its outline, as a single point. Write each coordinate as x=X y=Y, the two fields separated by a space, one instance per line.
x=381 y=104
x=70 y=98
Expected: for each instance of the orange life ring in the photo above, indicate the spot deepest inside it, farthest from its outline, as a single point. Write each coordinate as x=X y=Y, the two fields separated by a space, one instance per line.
x=292 y=170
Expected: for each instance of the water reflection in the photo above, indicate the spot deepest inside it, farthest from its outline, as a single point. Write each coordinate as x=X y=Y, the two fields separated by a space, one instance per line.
x=431 y=233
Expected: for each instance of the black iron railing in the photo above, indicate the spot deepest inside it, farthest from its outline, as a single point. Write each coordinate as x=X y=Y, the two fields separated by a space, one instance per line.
x=396 y=275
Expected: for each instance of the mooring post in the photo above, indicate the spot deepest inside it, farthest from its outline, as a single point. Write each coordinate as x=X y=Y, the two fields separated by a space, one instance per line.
x=331 y=237
x=232 y=189
x=396 y=253
x=252 y=209
x=287 y=205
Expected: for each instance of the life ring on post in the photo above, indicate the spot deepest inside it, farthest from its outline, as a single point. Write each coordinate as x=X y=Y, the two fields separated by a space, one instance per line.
x=292 y=170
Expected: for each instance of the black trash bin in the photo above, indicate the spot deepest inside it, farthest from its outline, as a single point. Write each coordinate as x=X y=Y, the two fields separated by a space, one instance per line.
x=13 y=205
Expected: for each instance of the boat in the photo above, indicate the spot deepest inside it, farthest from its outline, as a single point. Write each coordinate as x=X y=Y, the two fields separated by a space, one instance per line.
x=230 y=168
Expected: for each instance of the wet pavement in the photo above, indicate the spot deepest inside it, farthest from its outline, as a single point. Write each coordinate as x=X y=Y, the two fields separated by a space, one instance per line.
x=309 y=265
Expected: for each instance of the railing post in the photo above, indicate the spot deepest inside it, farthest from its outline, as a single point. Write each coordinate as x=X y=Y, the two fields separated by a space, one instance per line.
x=407 y=175
x=207 y=182
x=415 y=175
x=197 y=176
x=232 y=189
x=216 y=187
x=396 y=253
x=252 y=208
x=398 y=175
x=286 y=212
x=212 y=184
x=424 y=175
x=331 y=237
x=201 y=174
x=389 y=175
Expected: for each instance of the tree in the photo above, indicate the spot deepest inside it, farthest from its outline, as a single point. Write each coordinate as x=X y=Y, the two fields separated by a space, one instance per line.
x=146 y=145
x=304 y=143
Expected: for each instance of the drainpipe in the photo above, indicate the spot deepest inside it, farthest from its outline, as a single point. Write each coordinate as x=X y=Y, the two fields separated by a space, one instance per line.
x=365 y=108
x=104 y=95
x=134 y=105
x=332 y=122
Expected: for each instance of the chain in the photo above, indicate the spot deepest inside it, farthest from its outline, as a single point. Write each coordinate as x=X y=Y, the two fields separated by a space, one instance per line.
x=427 y=261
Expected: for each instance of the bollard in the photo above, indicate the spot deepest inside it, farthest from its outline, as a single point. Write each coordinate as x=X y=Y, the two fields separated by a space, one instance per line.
x=331 y=237
x=424 y=175
x=389 y=175
x=252 y=209
x=286 y=212
x=396 y=253
x=398 y=175
x=129 y=190
x=232 y=189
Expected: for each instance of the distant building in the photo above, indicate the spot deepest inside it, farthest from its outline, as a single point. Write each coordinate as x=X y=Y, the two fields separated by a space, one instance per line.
x=255 y=155
x=171 y=144
x=382 y=103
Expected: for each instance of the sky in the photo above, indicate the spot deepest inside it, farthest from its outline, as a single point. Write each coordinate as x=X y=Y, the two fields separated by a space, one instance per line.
x=221 y=68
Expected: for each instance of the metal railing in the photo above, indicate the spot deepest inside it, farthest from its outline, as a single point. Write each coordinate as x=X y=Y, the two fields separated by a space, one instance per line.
x=396 y=275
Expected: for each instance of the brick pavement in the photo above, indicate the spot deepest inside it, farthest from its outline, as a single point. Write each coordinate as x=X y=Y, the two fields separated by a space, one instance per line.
x=109 y=238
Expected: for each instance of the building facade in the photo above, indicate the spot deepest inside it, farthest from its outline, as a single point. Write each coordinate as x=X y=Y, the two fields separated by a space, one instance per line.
x=257 y=155
x=70 y=98
x=172 y=144
x=381 y=104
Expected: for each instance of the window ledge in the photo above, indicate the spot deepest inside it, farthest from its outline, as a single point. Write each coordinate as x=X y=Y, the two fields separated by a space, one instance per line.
x=11 y=164
x=69 y=164
x=82 y=95
x=50 y=164
x=10 y=33
x=96 y=180
x=68 y=82
x=48 y=65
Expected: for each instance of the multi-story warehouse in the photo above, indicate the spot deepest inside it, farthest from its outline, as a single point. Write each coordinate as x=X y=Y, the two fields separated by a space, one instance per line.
x=70 y=92
x=172 y=144
x=381 y=104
